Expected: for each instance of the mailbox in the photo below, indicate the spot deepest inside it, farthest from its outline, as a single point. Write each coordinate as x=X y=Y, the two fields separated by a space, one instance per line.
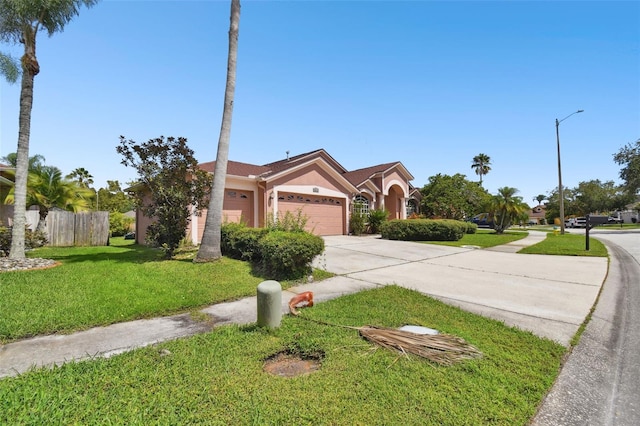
x=597 y=220
x=593 y=220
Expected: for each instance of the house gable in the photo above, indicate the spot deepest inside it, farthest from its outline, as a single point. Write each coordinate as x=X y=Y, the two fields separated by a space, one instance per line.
x=375 y=175
x=292 y=162
x=315 y=171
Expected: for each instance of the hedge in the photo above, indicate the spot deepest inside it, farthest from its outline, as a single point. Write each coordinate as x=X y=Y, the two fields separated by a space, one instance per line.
x=287 y=255
x=279 y=254
x=241 y=242
x=424 y=230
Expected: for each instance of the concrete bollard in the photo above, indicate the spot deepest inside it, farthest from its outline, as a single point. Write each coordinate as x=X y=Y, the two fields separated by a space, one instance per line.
x=269 y=304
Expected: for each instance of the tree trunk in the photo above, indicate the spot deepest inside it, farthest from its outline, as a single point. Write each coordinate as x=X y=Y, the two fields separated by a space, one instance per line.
x=210 y=245
x=30 y=69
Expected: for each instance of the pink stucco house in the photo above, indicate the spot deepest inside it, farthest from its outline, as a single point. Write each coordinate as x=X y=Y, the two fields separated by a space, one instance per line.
x=314 y=182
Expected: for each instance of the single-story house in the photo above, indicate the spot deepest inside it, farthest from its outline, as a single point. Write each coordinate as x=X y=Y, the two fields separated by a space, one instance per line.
x=313 y=182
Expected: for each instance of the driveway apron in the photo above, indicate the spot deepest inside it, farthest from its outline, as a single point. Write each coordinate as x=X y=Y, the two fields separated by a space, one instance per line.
x=547 y=295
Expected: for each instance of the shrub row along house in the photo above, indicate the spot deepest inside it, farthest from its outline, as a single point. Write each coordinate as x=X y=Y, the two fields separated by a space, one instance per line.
x=314 y=183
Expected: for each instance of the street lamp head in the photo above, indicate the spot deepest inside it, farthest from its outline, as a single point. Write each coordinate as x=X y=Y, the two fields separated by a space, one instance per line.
x=576 y=112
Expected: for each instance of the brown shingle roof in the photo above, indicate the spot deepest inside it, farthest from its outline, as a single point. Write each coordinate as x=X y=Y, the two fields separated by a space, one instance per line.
x=236 y=168
x=357 y=177
x=280 y=165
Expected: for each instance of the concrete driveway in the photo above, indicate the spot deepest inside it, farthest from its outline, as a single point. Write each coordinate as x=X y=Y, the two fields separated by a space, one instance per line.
x=547 y=295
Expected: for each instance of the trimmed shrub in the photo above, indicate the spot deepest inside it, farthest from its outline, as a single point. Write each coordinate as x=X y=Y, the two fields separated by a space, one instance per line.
x=241 y=242
x=376 y=219
x=423 y=230
x=288 y=255
x=470 y=227
x=278 y=254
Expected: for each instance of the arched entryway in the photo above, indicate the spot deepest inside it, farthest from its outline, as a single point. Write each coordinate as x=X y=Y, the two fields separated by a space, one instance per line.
x=394 y=202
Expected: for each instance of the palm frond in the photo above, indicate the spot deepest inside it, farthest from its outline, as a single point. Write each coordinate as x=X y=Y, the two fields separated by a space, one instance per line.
x=443 y=349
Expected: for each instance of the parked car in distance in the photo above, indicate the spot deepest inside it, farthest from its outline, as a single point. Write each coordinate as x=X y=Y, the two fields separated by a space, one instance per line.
x=130 y=236
x=613 y=220
x=576 y=222
x=482 y=220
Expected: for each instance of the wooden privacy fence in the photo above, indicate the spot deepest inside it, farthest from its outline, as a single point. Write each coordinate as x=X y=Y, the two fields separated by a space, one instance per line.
x=73 y=229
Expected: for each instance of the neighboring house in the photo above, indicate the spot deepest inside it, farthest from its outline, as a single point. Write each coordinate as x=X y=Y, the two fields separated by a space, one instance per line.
x=536 y=214
x=313 y=182
x=630 y=213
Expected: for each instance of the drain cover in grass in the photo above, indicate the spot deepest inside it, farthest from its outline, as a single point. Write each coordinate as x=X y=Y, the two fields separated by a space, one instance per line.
x=286 y=364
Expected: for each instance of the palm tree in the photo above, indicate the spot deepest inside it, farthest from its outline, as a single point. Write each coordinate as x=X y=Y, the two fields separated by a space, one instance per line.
x=82 y=176
x=47 y=189
x=20 y=22
x=11 y=159
x=481 y=164
x=507 y=208
x=539 y=198
x=35 y=161
x=9 y=68
x=210 y=245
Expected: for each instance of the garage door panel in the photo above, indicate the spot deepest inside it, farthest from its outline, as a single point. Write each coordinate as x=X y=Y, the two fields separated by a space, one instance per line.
x=325 y=214
x=238 y=205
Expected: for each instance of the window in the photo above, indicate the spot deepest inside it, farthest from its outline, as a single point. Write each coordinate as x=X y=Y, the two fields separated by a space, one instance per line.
x=412 y=207
x=360 y=205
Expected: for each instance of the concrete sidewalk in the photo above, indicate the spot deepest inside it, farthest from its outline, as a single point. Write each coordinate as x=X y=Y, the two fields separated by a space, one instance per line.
x=548 y=295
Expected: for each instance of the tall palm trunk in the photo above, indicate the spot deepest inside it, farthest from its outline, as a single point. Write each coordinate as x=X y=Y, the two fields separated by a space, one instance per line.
x=210 y=245
x=30 y=69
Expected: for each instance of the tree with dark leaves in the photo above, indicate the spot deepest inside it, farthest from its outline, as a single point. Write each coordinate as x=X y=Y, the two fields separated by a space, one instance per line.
x=171 y=187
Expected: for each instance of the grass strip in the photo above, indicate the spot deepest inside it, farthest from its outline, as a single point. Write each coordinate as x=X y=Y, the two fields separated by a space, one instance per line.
x=484 y=238
x=567 y=245
x=217 y=378
x=97 y=286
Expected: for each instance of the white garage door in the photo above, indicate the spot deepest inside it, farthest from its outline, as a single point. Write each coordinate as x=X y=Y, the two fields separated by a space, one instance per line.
x=325 y=214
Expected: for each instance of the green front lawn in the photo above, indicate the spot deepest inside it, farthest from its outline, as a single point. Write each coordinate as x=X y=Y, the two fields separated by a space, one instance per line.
x=218 y=378
x=121 y=282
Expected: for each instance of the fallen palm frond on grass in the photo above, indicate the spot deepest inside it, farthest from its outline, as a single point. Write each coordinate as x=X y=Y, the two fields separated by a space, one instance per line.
x=443 y=349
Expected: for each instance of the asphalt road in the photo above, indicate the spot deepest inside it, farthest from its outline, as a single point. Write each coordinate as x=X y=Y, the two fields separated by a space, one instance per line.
x=600 y=383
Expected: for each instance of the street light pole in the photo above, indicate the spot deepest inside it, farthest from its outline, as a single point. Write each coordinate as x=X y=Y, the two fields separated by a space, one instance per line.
x=560 y=189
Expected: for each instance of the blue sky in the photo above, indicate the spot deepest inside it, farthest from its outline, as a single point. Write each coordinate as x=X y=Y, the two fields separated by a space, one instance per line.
x=428 y=83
